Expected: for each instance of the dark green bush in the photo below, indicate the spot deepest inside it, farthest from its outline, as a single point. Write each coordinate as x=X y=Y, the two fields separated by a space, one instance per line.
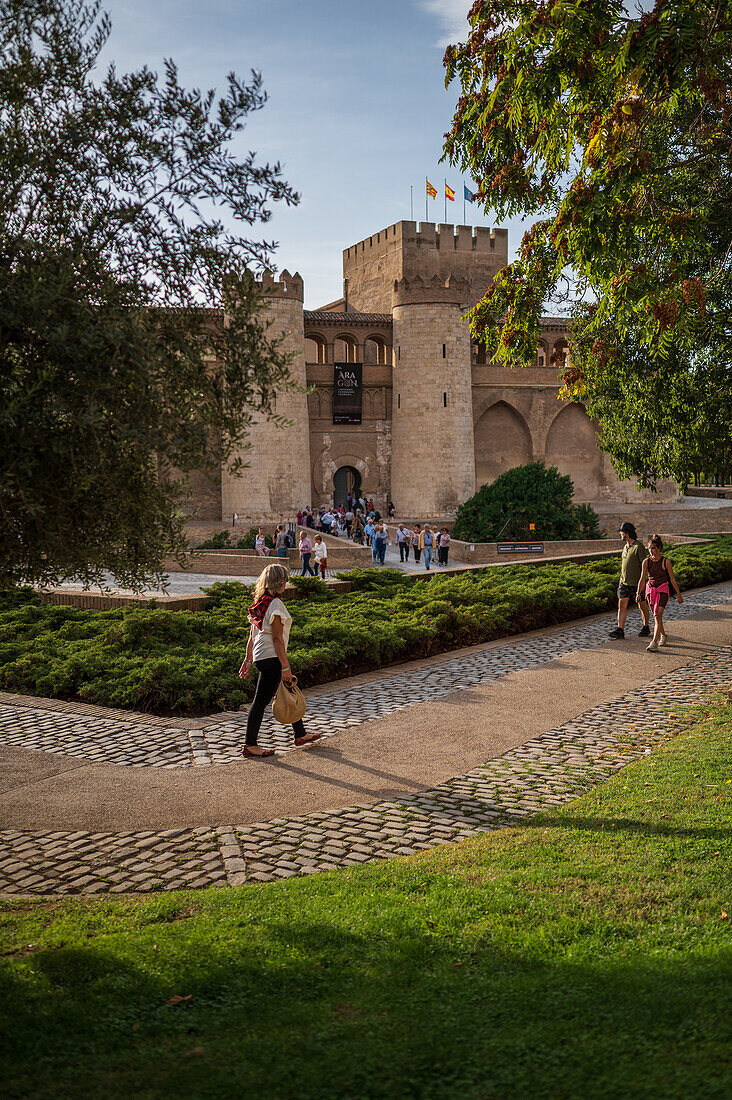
x=527 y=494
x=183 y=662
x=219 y=541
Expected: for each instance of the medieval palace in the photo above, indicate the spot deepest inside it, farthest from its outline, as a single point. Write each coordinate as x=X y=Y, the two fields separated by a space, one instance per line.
x=399 y=403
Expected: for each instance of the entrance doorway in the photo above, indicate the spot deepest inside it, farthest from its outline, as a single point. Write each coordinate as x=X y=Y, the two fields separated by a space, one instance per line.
x=346 y=480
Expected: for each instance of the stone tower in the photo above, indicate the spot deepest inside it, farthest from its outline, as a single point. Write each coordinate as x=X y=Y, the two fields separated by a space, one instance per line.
x=277 y=481
x=433 y=455
x=401 y=251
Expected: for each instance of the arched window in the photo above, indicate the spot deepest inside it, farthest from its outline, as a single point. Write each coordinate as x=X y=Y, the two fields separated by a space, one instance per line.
x=374 y=350
x=314 y=349
x=345 y=350
x=560 y=356
x=542 y=355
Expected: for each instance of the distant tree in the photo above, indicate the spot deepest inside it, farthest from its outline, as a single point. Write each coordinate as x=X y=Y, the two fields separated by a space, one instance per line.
x=117 y=258
x=533 y=493
x=612 y=125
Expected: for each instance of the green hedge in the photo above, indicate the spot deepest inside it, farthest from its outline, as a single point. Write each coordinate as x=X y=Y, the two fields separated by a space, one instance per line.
x=184 y=662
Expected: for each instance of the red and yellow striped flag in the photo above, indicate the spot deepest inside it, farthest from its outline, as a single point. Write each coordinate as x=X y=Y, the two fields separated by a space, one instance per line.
x=431 y=191
x=449 y=193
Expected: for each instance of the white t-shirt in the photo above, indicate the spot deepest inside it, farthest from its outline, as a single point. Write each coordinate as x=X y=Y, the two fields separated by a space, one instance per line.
x=321 y=551
x=263 y=643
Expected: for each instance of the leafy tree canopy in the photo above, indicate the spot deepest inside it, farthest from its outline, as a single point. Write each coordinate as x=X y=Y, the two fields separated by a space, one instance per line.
x=118 y=193
x=613 y=127
x=533 y=493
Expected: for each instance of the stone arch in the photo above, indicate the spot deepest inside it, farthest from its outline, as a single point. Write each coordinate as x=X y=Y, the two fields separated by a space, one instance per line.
x=572 y=446
x=345 y=348
x=374 y=350
x=502 y=441
x=560 y=354
x=315 y=348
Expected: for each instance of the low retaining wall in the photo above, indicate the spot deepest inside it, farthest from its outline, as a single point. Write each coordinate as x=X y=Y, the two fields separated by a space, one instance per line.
x=477 y=553
x=96 y=601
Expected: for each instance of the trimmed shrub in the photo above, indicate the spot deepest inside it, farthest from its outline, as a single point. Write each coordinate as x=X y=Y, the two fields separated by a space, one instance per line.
x=527 y=494
x=186 y=663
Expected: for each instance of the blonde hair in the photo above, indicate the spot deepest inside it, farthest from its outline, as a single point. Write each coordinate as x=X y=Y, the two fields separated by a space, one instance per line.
x=271 y=580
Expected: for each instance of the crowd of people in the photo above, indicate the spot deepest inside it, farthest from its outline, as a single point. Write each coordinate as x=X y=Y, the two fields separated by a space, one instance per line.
x=360 y=521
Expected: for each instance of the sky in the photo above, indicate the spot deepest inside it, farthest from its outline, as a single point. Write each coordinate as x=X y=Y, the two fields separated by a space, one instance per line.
x=356 y=113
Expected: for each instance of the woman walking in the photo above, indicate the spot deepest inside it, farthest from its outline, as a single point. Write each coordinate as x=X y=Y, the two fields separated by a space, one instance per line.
x=444 y=547
x=321 y=556
x=306 y=550
x=656 y=581
x=267 y=651
x=416 y=545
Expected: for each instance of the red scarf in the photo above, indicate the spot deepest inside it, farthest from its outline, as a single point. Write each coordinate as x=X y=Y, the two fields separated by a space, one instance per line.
x=259 y=609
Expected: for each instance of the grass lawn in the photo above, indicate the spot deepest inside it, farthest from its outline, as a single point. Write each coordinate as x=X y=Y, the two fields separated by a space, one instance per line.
x=588 y=955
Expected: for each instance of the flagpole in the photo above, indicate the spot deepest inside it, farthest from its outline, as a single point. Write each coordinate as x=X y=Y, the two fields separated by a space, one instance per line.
x=445 y=182
x=411 y=203
x=464 y=221
x=426 y=216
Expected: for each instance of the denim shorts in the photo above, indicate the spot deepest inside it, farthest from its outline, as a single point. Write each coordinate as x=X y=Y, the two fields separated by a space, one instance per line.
x=627 y=592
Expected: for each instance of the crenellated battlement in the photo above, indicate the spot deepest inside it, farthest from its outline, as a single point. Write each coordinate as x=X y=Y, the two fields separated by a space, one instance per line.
x=284 y=285
x=419 y=291
x=445 y=236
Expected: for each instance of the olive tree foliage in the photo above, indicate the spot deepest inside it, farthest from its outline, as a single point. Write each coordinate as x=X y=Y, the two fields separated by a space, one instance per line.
x=612 y=126
x=117 y=260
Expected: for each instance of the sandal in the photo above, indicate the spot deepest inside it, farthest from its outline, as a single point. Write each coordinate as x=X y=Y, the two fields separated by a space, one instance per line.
x=308 y=738
x=257 y=755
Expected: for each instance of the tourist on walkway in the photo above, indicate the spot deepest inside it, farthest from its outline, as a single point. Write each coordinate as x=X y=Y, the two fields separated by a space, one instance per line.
x=657 y=578
x=260 y=544
x=306 y=550
x=269 y=633
x=444 y=548
x=321 y=555
x=402 y=541
x=426 y=544
x=381 y=538
x=368 y=534
x=631 y=568
x=349 y=521
x=390 y=510
x=416 y=544
x=358 y=529
x=281 y=542
x=300 y=518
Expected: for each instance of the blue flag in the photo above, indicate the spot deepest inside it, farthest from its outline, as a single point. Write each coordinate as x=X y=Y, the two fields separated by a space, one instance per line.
x=471 y=196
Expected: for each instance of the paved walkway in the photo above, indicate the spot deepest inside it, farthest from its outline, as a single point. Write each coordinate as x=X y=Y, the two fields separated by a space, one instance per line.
x=96 y=801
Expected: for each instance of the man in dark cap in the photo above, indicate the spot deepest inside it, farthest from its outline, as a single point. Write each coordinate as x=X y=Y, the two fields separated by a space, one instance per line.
x=634 y=554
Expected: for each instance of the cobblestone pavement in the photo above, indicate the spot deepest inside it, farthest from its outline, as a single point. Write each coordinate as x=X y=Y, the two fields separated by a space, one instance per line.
x=146 y=743
x=548 y=770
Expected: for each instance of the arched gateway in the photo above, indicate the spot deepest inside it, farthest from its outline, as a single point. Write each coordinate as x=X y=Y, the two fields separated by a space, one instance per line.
x=346 y=480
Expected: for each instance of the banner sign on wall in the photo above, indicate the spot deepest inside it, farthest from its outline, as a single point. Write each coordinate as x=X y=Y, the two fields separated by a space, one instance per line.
x=347 y=379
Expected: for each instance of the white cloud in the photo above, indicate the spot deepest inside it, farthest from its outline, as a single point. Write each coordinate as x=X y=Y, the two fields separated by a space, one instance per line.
x=452 y=16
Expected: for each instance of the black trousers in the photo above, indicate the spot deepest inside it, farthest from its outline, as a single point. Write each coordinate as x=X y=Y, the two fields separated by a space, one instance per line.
x=442 y=552
x=403 y=551
x=270 y=674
